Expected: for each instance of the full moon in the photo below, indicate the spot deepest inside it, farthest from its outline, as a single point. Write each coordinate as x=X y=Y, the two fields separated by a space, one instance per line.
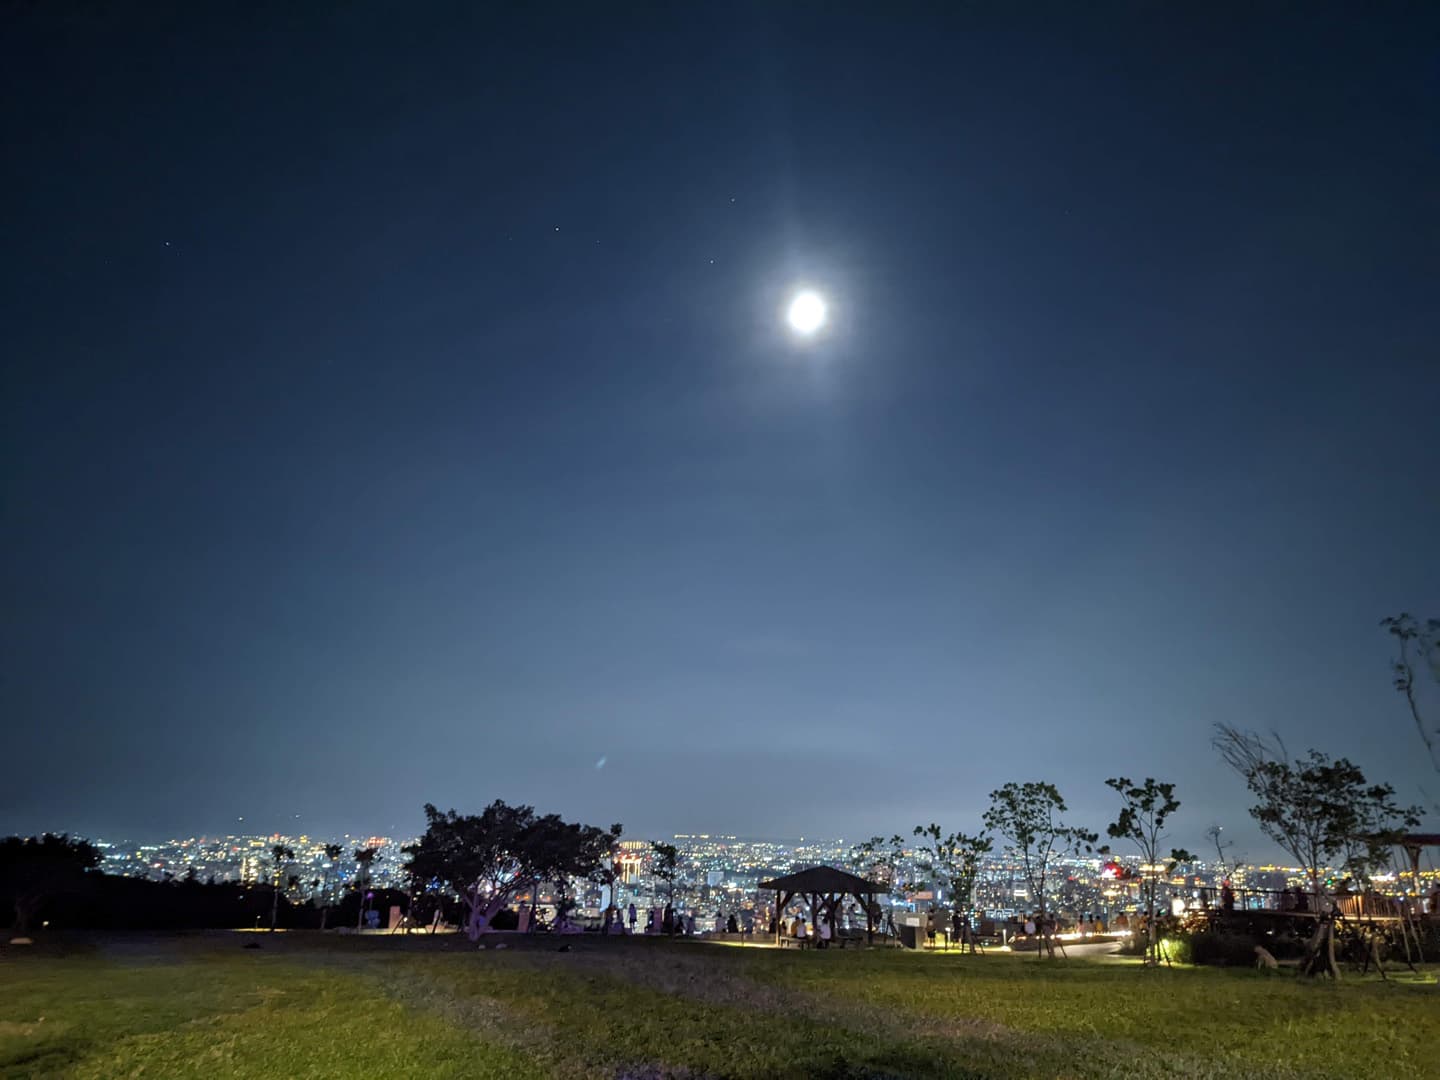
x=806 y=313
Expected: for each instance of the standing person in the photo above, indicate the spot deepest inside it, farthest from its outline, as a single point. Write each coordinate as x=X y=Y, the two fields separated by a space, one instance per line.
x=824 y=933
x=632 y=916
x=957 y=928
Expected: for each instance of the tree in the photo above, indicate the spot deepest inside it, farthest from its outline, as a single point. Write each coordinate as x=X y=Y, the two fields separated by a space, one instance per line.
x=35 y=868
x=1028 y=816
x=1318 y=810
x=1216 y=835
x=488 y=859
x=1423 y=643
x=665 y=867
x=279 y=855
x=560 y=851
x=952 y=862
x=607 y=876
x=879 y=859
x=331 y=879
x=364 y=860
x=1144 y=809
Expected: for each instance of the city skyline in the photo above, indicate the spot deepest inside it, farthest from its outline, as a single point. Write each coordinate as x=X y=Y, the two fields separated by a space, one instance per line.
x=837 y=847
x=708 y=866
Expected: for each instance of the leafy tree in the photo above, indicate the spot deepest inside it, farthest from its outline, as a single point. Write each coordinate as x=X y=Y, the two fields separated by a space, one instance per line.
x=1028 y=816
x=279 y=855
x=364 y=861
x=35 y=868
x=331 y=879
x=560 y=851
x=1216 y=835
x=1319 y=810
x=607 y=875
x=599 y=859
x=880 y=859
x=952 y=862
x=665 y=866
x=1416 y=643
x=1144 y=809
x=488 y=859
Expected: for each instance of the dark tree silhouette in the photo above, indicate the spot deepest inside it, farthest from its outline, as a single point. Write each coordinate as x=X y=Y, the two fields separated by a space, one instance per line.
x=1216 y=835
x=1416 y=642
x=879 y=859
x=36 y=868
x=952 y=862
x=559 y=851
x=279 y=855
x=1028 y=816
x=665 y=866
x=488 y=859
x=1144 y=809
x=328 y=883
x=364 y=860
x=1319 y=810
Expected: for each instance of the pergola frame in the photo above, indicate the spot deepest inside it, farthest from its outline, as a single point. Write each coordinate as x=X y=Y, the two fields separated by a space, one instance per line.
x=1414 y=843
x=823 y=888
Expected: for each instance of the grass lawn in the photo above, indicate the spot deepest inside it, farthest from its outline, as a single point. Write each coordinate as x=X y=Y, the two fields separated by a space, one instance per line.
x=306 y=1006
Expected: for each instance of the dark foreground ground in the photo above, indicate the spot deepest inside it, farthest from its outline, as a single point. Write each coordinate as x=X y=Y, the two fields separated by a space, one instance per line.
x=303 y=1005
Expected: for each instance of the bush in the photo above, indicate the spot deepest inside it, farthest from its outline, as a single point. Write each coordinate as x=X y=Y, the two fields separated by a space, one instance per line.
x=1223 y=950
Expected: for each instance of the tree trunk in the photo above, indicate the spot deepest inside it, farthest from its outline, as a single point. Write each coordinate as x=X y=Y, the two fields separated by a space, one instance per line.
x=473 y=923
x=1320 y=953
x=1152 y=939
x=25 y=907
x=480 y=917
x=274 y=904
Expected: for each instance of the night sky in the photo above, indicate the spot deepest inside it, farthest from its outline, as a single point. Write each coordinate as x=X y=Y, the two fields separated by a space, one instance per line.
x=398 y=407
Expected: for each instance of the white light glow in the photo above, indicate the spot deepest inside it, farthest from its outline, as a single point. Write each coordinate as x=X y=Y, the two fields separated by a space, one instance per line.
x=806 y=313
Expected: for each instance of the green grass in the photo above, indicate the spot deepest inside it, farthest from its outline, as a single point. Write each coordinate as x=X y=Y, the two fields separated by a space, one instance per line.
x=341 y=1007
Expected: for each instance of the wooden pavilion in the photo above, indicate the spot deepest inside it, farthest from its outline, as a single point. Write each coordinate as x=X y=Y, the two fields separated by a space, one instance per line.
x=823 y=888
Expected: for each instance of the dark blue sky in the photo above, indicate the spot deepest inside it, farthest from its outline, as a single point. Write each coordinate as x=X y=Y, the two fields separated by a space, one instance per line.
x=397 y=407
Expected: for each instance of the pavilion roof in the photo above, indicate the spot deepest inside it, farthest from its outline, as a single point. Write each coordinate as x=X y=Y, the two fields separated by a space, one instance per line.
x=824 y=879
x=1420 y=839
